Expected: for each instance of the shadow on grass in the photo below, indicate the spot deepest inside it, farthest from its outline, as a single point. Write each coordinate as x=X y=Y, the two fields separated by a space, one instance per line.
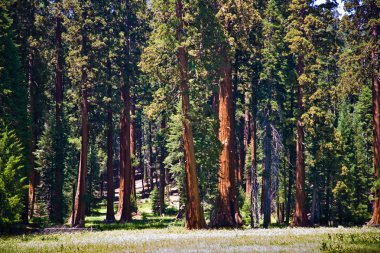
x=147 y=222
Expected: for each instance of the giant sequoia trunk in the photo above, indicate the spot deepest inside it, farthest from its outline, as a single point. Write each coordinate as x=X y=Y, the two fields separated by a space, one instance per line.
x=80 y=201
x=194 y=213
x=376 y=128
x=124 y=210
x=299 y=216
x=226 y=213
x=56 y=214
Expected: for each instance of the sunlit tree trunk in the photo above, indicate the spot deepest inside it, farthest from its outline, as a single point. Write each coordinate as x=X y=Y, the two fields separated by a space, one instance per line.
x=254 y=190
x=226 y=213
x=194 y=213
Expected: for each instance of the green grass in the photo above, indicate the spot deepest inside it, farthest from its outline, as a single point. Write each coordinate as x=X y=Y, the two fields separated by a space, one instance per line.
x=177 y=239
x=150 y=233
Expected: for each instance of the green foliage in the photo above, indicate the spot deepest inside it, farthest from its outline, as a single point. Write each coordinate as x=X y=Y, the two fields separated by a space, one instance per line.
x=155 y=201
x=12 y=182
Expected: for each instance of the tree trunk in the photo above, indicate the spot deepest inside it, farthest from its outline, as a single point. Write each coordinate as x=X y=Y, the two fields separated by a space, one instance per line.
x=80 y=198
x=254 y=190
x=133 y=149
x=375 y=220
x=226 y=213
x=292 y=161
x=246 y=138
x=110 y=216
x=248 y=179
x=194 y=213
x=161 y=165
x=267 y=171
x=299 y=216
x=124 y=209
x=33 y=135
x=57 y=191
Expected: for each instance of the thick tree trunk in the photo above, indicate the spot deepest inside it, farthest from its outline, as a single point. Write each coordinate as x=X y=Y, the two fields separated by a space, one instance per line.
x=80 y=201
x=124 y=209
x=267 y=171
x=110 y=216
x=226 y=213
x=57 y=191
x=375 y=220
x=299 y=216
x=194 y=213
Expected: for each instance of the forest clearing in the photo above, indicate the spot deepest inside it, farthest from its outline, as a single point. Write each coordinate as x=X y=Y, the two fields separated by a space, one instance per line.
x=151 y=233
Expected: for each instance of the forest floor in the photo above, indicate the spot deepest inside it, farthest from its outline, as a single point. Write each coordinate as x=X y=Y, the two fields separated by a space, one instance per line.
x=150 y=233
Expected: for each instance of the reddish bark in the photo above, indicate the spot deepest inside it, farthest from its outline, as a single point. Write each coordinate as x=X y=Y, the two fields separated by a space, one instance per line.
x=124 y=209
x=375 y=220
x=78 y=217
x=299 y=216
x=226 y=213
x=194 y=213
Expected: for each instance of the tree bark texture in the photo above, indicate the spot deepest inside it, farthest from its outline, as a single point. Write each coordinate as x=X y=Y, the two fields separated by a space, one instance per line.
x=299 y=216
x=226 y=213
x=194 y=213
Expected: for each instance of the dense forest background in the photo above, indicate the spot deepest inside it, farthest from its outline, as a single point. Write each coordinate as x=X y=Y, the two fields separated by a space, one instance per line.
x=257 y=112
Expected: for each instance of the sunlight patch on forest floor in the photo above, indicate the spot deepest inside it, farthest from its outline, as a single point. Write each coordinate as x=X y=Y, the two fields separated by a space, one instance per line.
x=176 y=239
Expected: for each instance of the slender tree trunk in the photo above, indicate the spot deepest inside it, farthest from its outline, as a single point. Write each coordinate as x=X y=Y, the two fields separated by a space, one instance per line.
x=246 y=138
x=57 y=191
x=292 y=162
x=33 y=136
x=110 y=216
x=375 y=220
x=254 y=190
x=299 y=216
x=248 y=179
x=267 y=171
x=133 y=149
x=161 y=165
x=194 y=213
x=226 y=213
